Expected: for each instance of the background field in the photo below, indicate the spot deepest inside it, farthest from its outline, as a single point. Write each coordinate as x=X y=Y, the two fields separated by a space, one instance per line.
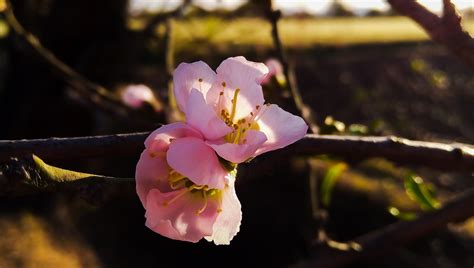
x=301 y=33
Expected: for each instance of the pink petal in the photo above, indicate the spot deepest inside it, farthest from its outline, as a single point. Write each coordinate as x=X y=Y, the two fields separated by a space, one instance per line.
x=238 y=70
x=274 y=68
x=197 y=161
x=202 y=117
x=135 y=95
x=179 y=219
x=281 y=128
x=159 y=140
x=151 y=172
x=245 y=75
x=227 y=224
x=238 y=153
x=191 y=75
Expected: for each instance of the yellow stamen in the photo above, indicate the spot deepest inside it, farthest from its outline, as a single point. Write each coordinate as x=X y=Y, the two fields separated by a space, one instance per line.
x=205 y=203
x=234 y=104
x=175 y=177
x=179 y=195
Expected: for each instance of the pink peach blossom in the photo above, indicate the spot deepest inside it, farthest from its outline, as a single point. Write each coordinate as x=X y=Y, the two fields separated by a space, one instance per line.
x=136 y=95
x=275 y=69
x=228 y=108
x=186 y=192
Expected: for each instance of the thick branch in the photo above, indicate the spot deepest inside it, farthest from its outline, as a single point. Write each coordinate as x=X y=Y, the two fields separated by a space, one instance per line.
x=74 y=148
x=446 y=30
x=385 y=240
x=453 y=157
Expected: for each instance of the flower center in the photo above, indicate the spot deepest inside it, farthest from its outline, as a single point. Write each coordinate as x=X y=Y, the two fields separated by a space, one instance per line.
x=186 y=186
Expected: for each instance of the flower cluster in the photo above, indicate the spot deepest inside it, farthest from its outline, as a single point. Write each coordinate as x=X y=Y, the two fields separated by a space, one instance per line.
x=186 y=174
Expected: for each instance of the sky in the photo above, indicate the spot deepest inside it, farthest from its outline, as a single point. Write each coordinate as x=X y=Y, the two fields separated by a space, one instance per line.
x=290 y=6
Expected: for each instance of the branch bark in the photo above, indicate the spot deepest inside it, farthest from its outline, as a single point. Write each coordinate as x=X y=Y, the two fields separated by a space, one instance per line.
x=393 y=236
x=446 y=30
x=442 y=156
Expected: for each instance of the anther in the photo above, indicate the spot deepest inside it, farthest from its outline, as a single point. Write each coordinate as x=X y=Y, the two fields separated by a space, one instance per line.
x=223 y=84
x=200 y=79
x=205 y=203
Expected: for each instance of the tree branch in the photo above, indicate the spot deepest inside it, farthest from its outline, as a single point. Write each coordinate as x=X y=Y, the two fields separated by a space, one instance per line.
x=442 y=156
x=393 y=236
x=446 y=29
x=305 y=111
x=28 y=175
x=74 y=148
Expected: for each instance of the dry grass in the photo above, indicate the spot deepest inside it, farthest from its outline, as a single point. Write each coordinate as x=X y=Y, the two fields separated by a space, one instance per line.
x=300 y=33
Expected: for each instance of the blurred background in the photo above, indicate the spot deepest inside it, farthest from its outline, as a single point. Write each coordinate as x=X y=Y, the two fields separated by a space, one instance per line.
x=361 y=67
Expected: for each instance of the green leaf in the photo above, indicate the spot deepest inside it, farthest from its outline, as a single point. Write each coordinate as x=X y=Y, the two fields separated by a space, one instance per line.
x=332 y=126
x=405 y=216
x=358 y=129
x=58 y=174
x=421 y=193
x=329 y=181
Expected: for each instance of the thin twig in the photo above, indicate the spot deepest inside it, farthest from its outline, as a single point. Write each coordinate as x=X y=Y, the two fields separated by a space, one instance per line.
x=305 y=111
x=150 y=28
x=446 y=30
x=453 y=157
x=385 y=240
x=94 y=93
x=69 y=73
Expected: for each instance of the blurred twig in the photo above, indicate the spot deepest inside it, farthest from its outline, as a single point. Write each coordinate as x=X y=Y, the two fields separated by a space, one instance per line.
x=393 y=236
x=94 y=93
x=446 y=29
x=305 y=111
x=150 y=28
x=453 y=157
x=172 y=110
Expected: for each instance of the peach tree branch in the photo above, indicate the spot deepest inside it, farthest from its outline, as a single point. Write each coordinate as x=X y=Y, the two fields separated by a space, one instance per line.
x=445 y=29
x=442 y=156
x=385 y=240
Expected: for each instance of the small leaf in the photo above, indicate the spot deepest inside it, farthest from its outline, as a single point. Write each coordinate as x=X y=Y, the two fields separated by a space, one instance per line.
x=332 y=126
x=358 y=129
x=405 y=216
x=329 y=181
x=58 y=174
x=421 y=193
